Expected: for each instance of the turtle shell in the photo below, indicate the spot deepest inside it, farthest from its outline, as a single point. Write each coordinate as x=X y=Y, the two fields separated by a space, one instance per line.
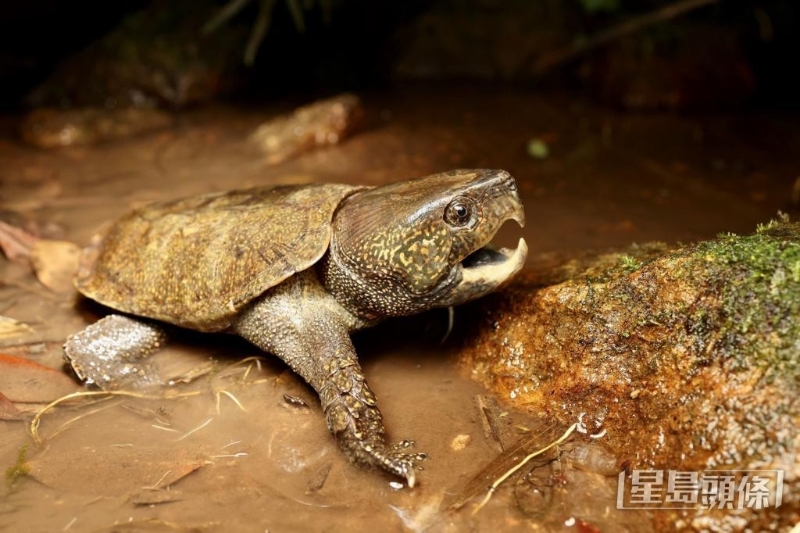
x=198 y=261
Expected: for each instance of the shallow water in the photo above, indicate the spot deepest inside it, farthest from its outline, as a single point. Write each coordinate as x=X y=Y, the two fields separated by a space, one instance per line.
x=202 y=462
x=238 y=457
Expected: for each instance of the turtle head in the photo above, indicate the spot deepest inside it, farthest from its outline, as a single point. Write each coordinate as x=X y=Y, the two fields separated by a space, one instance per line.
x=410 y=246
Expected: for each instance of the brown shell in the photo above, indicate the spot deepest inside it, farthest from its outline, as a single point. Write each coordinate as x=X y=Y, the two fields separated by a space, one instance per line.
x=196 y=262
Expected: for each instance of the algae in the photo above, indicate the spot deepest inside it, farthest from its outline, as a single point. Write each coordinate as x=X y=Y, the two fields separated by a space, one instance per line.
x=19 y=469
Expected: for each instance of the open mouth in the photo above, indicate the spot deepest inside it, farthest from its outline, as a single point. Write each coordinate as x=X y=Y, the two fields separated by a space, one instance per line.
x=488 y=255
x=491 y=265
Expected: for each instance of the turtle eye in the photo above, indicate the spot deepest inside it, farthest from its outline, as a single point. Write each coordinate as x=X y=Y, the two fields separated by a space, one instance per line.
x=459 y=212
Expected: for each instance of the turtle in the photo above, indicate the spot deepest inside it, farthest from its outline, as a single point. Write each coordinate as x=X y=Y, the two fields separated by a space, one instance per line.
x=295 y=269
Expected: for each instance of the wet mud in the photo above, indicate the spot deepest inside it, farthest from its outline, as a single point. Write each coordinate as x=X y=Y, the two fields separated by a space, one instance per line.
x=246 y=448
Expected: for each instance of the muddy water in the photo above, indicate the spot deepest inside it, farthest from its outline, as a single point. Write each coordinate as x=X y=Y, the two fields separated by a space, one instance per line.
x=272 y=467
x=230 y=453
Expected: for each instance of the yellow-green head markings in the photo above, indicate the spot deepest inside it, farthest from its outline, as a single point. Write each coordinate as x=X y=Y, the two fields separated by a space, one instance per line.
x=399 y=249
x=296 y=269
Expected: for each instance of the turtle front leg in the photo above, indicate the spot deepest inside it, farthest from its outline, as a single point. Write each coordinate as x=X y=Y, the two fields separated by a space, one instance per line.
x=111 y=352
x=301 y=323
x=353 y=417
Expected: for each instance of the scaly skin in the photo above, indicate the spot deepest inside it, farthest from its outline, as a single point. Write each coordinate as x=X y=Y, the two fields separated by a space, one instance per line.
x=111 y=352
x=397 y=250
x=280 y=321
x=295 y=270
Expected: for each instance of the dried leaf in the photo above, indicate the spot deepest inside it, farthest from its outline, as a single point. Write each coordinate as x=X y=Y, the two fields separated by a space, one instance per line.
x=8 y=411
x=84 y=126
x=16 y=243
x=501 y=464
x=318 y=480
x=155 y=497
x=10 y=328
x=180 y=470
x=42 y=229
x=495 y=429
x=95 y=470
x=23 y=381
x=55 y=264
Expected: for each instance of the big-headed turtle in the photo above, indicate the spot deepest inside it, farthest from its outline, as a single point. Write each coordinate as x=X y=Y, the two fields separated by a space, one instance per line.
x=295 y=269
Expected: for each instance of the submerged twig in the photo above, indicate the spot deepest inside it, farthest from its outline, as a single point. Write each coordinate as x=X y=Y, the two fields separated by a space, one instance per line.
x=253 y=358
x=226 y=372
x=230 y=395
x=63 y=426
x=162 y=428
x=229 y=455
x=155 y=485
x=198 y=428
x=522 y=463
x=490 y=423
x=192 y=374
x=34 y=426
x=500 y=464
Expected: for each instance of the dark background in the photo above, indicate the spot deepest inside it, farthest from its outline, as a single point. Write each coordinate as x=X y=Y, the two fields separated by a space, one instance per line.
x=364 y=42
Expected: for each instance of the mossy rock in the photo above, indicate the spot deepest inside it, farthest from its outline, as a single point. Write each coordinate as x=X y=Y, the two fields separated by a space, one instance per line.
x=688 y=357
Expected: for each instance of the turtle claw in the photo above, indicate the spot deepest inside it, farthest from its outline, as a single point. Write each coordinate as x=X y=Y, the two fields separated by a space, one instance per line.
x=402 y=463
x=411 y=478
x=353 y=417
x=402 y=468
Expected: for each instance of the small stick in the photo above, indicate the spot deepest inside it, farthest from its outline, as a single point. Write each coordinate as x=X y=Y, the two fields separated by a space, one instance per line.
x=232 y=397
x=198 y=428
x=162 y=428
x=37 y=418
x=522 y=463
x=84 y=415
x=155 y=485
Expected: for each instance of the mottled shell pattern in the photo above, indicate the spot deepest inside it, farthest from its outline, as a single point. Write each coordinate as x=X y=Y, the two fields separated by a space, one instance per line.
x=198 y=261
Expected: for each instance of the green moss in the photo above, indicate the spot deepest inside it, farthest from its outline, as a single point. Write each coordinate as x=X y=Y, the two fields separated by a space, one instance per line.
x=20 y=467
x=747 y=311
x=758 y=279
x=629 y=263
x=775 y=223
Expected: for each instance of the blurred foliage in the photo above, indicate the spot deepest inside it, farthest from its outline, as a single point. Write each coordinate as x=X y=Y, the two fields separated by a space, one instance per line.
x=600 y=6
x=296 y=8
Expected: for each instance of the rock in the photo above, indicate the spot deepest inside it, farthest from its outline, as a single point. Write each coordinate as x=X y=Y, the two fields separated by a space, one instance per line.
x=687 y=357
x=322 y=123
x=155 y=57
x=55 y=264
x=56 y=128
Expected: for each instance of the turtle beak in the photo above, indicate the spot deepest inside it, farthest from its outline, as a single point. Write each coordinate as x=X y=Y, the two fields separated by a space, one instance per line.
x=489 y=267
